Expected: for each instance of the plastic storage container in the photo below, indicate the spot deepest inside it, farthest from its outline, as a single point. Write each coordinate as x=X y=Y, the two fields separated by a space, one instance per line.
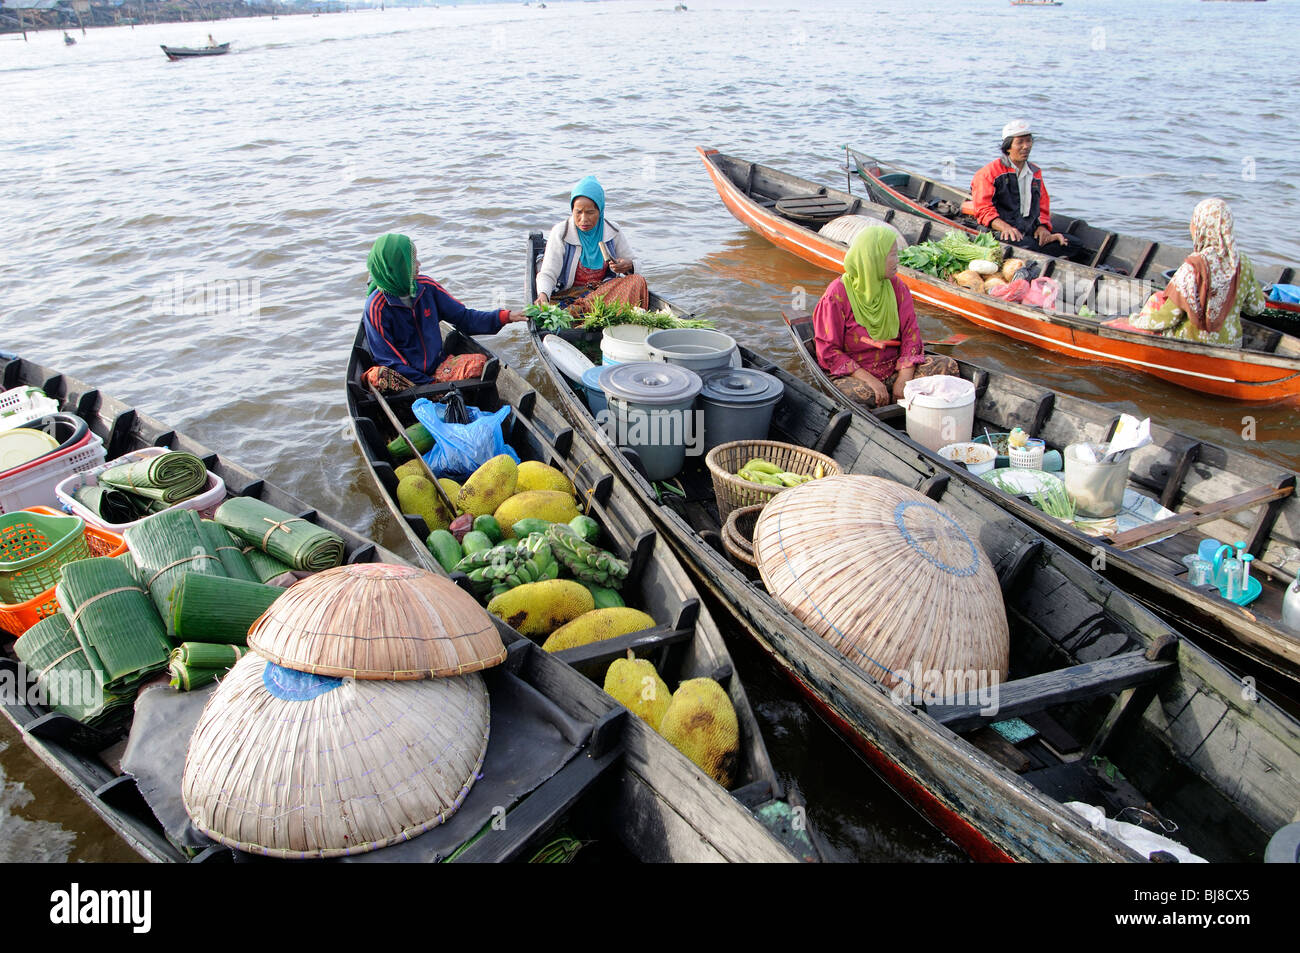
x=591 y=384
x=1096 y=488
x=33 y=549
x=34 y=485
x=18 y=618
x=207 y=501
x=737 y=403
x=624 y=344
x=22 y=405
x=57 y=433
x=697 y=348
x=940 y=410
x=652 y=406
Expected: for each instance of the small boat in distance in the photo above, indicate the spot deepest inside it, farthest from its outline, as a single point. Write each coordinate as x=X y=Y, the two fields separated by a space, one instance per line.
x=1036 y=3
x=68 y=40
x=186 y=52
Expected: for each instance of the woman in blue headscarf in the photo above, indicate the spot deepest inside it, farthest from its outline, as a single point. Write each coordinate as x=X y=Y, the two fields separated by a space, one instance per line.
x=588 y=256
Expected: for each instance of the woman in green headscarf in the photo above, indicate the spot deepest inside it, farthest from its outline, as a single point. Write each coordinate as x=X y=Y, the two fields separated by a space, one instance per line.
x=865 y=325
x=588 y=256
x=404 y=308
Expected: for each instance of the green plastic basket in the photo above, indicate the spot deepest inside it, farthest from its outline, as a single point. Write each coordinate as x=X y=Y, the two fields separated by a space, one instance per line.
x=34 y=548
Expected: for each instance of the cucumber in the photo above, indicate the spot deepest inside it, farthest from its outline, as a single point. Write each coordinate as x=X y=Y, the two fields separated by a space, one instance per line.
x=586 y=527
x=489 y=526
x=527 y=526
x=399 y=449
x=475 y=541
x=445 y=549
x=605 y=598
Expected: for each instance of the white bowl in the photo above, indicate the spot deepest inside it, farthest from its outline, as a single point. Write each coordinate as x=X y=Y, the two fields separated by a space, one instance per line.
x=977 y=457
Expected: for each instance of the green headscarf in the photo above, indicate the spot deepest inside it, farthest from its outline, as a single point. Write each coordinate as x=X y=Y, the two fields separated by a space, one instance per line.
x=390 y=268
x=875 y=306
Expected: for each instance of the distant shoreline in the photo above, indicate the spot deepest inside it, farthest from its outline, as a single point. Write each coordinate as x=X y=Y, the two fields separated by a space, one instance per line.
x=148 y=13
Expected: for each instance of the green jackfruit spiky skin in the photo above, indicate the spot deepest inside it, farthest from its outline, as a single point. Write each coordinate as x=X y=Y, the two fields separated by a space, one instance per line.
x=701 y=724
x=489 y=486
x=636 y=686
x=537 y=609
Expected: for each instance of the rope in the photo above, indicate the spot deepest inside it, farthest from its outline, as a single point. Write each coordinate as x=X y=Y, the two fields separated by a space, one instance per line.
x=174 y=564
x=72 y=621
x=278 y=525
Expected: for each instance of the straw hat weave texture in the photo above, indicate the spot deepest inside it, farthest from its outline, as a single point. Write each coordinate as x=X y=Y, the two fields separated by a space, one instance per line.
x=886 y=576
x=378 y=621
x=293 y=765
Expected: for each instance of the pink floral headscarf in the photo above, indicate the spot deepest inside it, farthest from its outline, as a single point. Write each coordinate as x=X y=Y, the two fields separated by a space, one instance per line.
x=1205 y=286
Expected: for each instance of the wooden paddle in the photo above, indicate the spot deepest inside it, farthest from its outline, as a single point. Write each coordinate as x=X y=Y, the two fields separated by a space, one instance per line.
x=433 y=477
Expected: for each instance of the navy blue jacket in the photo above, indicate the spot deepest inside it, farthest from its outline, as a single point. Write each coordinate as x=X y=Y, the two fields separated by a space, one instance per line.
x=408 y=339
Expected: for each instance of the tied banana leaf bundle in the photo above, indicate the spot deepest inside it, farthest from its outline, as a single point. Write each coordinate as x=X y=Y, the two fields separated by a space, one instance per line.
x=66 y=680
x=194 y=664
x=229 y=548
x=212 y=609
x=290 y=539
x=166 y=546
x=169 y=478
x=114 y=621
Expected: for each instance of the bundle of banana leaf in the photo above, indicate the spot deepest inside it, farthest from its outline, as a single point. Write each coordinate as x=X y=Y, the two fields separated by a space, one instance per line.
x=195 y=664
x=291 y=539
x=116 y=506
x=214 y=609
x=169 y=478
x=229 y=548
x=166 y=546
x=114 y=621
x=66 y=680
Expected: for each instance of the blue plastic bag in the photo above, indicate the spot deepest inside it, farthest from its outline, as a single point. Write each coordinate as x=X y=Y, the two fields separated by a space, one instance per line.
x=1287 y=294
x=460 y=449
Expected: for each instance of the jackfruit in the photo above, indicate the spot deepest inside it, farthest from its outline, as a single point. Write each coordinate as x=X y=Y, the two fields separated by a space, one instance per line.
x=553 y=506
x=452 y=489
x=416 y=495
x=597 y=626
x=534 y=475
x=536 y=609
x=701 y=724
x=410 y=468
x=636 y=686
x=489 y=486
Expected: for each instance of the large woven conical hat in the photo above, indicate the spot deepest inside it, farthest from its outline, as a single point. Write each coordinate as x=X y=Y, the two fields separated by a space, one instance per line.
x=887 y=576
x=288 y=764
x=374 y=620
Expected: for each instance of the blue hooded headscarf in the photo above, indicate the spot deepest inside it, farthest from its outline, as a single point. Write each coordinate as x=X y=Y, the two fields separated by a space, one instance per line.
x=590 y=188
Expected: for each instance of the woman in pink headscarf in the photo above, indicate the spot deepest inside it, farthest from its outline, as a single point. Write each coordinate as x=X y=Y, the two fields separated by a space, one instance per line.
x=1209 y=292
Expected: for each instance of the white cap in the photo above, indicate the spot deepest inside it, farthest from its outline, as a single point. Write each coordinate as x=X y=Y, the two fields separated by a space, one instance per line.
x=1016 y=127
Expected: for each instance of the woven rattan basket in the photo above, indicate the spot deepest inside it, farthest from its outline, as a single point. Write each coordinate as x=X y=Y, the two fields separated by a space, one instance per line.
x=376 y=621
x=293 y=765
x=889 y=578
x=732 y=492
x=738 y=534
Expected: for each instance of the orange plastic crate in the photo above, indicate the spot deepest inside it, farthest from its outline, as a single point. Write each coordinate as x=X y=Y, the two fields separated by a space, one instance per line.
x=18 y=618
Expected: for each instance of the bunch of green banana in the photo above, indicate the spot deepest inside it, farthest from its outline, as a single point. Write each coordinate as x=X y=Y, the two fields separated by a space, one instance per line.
x=588 y=563
x=503 y=567
x=759 y=470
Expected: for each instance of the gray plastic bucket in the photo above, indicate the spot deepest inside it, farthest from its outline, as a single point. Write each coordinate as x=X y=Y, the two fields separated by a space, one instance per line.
x=737 y=404
x=651 y=405
x=697 y=348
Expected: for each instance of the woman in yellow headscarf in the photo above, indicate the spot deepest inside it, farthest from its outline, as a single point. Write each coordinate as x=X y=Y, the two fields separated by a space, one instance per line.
x=865 y=325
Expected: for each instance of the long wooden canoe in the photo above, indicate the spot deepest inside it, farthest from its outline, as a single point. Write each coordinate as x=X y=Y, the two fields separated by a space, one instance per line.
x=1266 y=368
x=1175 y=725
x=686 y=643
x=908 y=191
x=1217 y=493
x=635 y=790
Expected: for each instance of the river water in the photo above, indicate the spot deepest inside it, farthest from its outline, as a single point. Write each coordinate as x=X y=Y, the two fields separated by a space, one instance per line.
x=192 y=236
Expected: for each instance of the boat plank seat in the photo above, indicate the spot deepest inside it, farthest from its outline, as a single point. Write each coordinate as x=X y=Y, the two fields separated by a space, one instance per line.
x=1161 y=467
x=1198 y=515
x=1015 y=403
x=1037 y=692
x=814 y=209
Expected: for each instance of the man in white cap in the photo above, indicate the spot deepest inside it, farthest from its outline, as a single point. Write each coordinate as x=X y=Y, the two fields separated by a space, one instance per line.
x=1010 y=198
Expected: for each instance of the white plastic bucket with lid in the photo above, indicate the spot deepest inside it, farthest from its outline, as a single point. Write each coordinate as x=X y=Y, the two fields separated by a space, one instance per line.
x=940 y=410
x=624 y=344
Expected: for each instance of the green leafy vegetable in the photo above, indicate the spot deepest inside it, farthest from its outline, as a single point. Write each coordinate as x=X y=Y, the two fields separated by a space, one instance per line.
x=605 y=314
x=952 y=253
x=549 y=317
x=1055 y=501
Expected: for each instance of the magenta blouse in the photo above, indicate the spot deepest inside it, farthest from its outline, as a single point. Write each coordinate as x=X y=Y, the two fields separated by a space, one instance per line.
x=843 y=345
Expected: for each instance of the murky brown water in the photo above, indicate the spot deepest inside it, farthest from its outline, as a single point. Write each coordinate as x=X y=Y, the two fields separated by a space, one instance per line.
x=192 y=236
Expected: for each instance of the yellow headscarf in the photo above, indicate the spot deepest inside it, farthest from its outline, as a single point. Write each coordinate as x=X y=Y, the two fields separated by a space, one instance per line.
x=871 y=294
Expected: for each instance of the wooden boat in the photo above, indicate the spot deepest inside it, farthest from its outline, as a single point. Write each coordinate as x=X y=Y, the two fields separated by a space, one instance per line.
x=1036 y=3
x=637 y=793
x=1173 y=724
x=1212 y=491
x=1098 y=248
x=1266 y=367
x=175 y=53
x=686 y=644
